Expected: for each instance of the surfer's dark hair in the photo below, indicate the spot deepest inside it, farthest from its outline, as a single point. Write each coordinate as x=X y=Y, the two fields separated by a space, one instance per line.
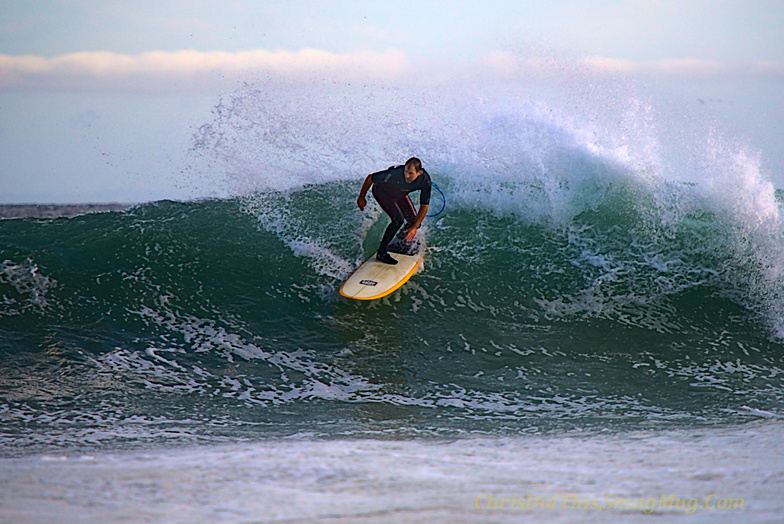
x=415 y=162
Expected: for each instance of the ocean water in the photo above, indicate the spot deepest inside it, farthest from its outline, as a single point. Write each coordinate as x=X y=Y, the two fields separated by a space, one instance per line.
x=599 y=324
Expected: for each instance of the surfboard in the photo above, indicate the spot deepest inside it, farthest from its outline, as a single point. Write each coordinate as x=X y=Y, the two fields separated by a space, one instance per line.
x=374 y=279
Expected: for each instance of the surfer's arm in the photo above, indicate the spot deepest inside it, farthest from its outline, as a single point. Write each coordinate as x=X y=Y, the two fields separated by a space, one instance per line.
x=361 y=202
x=411 y=232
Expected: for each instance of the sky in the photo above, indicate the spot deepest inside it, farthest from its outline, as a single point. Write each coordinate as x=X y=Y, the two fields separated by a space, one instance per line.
x=88 y=87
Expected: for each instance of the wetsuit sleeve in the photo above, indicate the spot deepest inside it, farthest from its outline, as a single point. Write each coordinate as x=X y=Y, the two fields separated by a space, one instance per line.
x=424 y=195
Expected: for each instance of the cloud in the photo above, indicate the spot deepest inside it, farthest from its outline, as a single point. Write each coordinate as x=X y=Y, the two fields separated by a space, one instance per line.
x=189 y=69
x=192 y=70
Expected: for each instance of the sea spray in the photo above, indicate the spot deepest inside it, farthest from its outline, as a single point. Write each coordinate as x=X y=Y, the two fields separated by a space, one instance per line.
x=499 y=150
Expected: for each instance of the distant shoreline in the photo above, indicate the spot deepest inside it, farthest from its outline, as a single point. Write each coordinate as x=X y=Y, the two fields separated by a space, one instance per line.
x=57 y=210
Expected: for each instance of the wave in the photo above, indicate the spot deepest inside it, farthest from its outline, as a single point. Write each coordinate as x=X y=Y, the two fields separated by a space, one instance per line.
x=544 y=162
x=571 y=282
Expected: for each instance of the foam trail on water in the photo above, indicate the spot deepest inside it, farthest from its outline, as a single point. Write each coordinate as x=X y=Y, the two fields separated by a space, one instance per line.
x=23 y=286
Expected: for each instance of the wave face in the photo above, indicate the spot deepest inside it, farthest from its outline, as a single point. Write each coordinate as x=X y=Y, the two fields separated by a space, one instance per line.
x=582 y=277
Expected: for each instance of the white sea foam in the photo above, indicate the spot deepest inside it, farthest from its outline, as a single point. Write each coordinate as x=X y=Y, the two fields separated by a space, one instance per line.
x=31 y=286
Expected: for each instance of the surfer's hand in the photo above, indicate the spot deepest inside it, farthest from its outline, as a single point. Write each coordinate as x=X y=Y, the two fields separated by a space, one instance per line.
x=410 y=234
x=361 y=202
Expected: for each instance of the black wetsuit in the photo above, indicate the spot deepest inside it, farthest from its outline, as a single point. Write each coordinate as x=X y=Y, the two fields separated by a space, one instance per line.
x=391 y=190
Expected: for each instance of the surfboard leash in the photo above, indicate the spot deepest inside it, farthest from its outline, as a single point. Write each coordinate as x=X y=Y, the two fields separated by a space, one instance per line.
x=443 y=200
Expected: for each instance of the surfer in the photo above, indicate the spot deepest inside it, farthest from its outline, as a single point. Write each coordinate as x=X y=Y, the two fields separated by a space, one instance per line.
x=390 y=189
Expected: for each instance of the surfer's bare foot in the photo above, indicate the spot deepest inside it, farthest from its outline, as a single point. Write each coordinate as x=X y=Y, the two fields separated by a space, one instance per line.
x=386 y=258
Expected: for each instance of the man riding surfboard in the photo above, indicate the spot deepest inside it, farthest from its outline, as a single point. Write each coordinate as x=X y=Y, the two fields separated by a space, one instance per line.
x=390 y=189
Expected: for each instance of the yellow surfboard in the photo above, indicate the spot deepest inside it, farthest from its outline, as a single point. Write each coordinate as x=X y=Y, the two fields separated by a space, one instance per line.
x=374 y=279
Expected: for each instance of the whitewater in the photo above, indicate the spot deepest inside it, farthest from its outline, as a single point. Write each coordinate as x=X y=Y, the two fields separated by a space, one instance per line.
x=599 y=323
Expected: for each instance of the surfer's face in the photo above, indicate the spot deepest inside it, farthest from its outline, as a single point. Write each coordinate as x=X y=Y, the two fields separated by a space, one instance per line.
x=411 y=173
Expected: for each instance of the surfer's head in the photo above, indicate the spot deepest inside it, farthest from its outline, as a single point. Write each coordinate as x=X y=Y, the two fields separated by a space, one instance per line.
x=412 y=169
